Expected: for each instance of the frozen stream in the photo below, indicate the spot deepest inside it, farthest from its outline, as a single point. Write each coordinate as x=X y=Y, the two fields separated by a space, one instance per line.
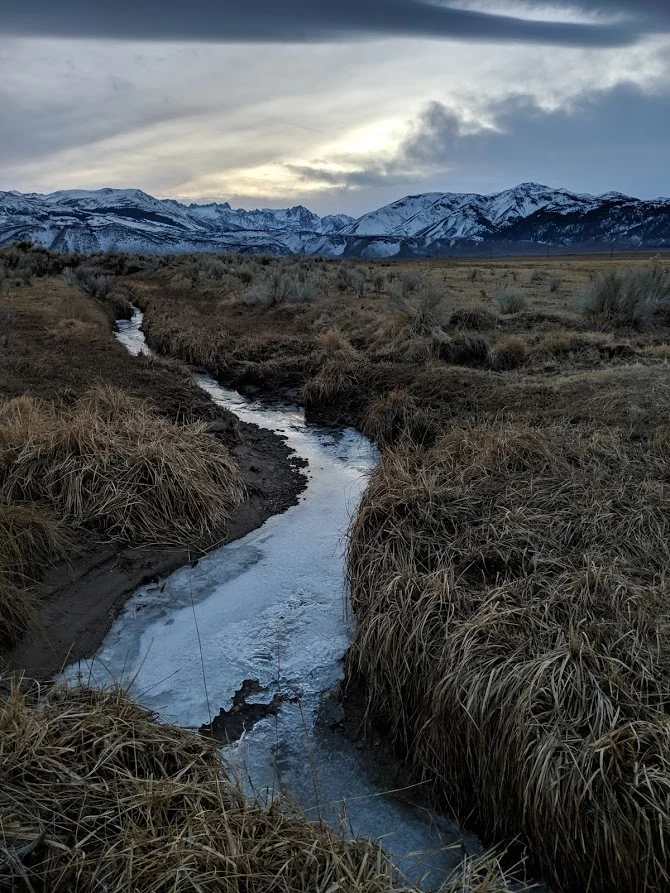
x=272 y=607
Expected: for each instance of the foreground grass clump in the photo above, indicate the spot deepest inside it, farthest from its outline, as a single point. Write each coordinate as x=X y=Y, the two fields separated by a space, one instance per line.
x=108 y=461
x=96 y=795
x=511 y=592
x=105 y=463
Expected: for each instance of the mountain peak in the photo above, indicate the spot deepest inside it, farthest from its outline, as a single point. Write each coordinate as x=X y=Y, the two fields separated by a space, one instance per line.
x=422 y=224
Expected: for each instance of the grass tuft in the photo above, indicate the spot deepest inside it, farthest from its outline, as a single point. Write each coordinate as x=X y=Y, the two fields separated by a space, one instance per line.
x=510 y=300
x=511 y=592
x=109 y=462
x=631 y=297
x=95 y=794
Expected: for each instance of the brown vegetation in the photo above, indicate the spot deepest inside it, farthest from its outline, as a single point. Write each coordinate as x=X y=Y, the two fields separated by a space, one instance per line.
x=93 y=442
x=95 y=794
x=105 y=463
x=510 y=587
x=509 y=564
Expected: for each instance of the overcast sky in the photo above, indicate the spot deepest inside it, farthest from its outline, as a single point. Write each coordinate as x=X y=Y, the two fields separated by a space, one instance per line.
x=342 y=105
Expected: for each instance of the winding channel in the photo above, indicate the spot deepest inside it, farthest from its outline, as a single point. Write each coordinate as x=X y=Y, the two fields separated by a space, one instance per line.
x=272 y=607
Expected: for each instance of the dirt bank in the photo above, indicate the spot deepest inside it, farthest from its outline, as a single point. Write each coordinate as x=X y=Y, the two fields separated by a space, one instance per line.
x=79 y=601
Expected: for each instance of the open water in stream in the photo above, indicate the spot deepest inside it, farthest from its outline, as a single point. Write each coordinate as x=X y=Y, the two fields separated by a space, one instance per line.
x=272 y=607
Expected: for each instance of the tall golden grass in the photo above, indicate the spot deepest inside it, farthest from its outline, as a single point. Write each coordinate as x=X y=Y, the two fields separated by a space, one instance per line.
x=106 y=463
x=30 y=538
x=512 y=596
x=96 y=795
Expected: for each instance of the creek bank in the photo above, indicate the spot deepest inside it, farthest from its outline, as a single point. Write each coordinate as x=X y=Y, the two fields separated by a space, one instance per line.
x=78 y=601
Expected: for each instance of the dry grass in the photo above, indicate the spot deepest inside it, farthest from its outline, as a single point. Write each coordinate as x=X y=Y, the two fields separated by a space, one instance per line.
x=339 y=372
x=109 y=462
x=428 y=317
x=487 y=874
x=96 y=795
x=510 y=352
x=510 y=586
x=30 y=538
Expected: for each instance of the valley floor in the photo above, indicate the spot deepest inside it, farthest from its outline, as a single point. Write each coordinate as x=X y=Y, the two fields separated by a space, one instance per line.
x=508 y=566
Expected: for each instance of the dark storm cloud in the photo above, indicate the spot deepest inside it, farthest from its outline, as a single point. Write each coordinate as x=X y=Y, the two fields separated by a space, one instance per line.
x=616 y=139
x=302 y=20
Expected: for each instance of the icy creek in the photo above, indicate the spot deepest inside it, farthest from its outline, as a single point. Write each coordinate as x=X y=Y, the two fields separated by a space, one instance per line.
x=272 y=607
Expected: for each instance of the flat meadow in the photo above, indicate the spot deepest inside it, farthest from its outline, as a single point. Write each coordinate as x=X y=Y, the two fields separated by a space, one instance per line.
x=508 y=566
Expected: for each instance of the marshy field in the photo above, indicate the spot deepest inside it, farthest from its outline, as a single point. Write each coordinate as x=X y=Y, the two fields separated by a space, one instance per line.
x=507 y=566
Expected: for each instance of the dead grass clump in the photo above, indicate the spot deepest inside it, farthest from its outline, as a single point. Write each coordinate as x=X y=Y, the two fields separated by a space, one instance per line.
x=464 y=349
x=487 y=874
x=511 y=591
x=657 y=351
x=30 y=538
x=398 y=416
x=109 y=462
x=96 y=795
x=478 y=319
x=339 y=375
x=510 y=352
x=557 y=343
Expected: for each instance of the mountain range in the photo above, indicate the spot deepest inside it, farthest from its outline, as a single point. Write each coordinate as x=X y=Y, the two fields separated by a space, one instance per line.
x=528 y=219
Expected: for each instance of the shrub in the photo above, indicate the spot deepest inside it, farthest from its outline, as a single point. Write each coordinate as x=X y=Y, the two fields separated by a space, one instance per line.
x=627 y=297
x=7 y=327
x=378 y=282
x=536 y=276
x=90 y=282
x=510 y=300
x=555 y=283
x=216 y=269
x=411 y=282
x=510 y=352
x=421 y=314
x=245 y=275
x=358 y=284
x=343 y=278
x=279 y=288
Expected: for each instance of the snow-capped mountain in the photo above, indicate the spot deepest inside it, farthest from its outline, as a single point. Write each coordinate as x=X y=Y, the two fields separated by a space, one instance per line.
x=525 y=219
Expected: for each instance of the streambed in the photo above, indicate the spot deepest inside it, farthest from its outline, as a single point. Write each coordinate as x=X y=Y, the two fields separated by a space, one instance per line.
x=264 y=620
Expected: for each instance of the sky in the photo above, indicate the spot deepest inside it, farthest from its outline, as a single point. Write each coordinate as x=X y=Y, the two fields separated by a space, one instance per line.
x=340 y=105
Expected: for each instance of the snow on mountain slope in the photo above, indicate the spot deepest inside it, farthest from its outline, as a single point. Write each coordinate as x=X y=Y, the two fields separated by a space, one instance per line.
x=433 y=223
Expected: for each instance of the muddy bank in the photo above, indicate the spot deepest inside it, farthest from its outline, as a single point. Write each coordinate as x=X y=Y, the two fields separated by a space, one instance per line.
x=78 y=602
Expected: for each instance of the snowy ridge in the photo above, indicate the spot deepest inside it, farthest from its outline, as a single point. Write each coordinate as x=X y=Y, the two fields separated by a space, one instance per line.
x=527 y=218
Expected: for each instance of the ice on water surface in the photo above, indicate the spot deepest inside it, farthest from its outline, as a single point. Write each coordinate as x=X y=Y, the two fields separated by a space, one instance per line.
x=272 y=607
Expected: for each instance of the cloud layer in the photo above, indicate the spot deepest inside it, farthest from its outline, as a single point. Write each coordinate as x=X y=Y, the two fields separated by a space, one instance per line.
x=310 y=20
x=337 y=124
